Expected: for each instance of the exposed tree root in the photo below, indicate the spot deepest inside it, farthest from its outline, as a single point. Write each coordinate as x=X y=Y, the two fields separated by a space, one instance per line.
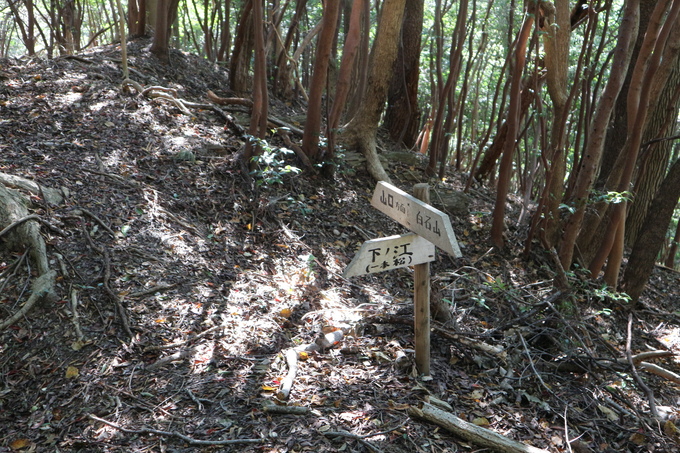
x=21 y=231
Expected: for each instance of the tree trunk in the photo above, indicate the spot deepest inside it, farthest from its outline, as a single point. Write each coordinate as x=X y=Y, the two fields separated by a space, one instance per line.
x=243 y=49
x=654 y=156
x=639 y=97
x=310 y=138
x=673 y=249
x=282 y=84
x=402 y=116
x=597 y=130
x=258 y=118
x=166 y=13
x=557 y=30
x=342 y=87
x=652 y=235
x=136 y=18
x=505 y=171
x=361 y=131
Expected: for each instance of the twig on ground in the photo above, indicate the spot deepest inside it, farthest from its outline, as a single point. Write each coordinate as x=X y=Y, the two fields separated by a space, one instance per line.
x=361 y=439
x=74 y=315
x=117 y=178
x=533 y=367
x=96 y=219
x=12 y=268
x=189 y=440
x=641 y=383
x=648 y=355
x=107 y=282
x=287 y=410
x=179 y=355
x=197 y=400
x=182 y=343
x=659 y=371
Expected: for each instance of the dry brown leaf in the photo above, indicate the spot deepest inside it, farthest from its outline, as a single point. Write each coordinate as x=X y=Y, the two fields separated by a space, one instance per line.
x=72 y=372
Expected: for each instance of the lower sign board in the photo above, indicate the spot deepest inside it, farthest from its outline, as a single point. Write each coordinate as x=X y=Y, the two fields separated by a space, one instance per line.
x=392 y=252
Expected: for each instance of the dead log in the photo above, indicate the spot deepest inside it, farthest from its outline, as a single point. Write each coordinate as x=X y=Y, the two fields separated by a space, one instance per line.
x=470 y=432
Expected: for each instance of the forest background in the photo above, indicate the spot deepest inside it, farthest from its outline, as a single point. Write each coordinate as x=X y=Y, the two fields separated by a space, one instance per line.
x=572 y=107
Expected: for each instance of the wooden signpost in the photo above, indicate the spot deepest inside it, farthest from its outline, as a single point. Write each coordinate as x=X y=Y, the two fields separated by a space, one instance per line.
x=430 y=227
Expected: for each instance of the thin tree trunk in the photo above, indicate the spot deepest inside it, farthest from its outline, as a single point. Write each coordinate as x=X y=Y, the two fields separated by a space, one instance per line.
x=673 y=249
x=505 y=171
x=258 y=119
x=312 y=132
x=342 y=87
x=596 y=136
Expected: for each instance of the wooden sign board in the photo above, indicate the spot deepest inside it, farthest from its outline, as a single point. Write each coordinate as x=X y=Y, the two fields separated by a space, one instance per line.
x=417 y=216
x=392 y=252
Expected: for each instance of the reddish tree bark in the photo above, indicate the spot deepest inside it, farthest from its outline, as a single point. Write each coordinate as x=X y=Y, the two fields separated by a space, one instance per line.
x=243 y=49
x=136 y=18
x=166 y=13
x=596 y=135
x=312 y=132
x=342 y=87
x=505 y=171
x=258 y=118
x=402 y=115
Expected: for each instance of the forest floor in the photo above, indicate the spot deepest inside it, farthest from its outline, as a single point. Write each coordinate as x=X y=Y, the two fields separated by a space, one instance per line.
x=221 y=274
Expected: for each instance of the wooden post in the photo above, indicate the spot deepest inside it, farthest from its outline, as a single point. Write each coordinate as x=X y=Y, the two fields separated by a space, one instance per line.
x=421 y=299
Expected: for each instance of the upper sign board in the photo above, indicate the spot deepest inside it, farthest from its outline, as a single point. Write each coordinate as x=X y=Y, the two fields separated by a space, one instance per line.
x=417 y=216
x=392 y=252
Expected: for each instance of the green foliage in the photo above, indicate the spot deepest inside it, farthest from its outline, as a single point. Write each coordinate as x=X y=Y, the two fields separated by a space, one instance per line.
x=270 y=165
x=611 y=197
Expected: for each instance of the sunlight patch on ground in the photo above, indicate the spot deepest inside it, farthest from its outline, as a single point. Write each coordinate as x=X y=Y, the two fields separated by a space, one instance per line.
x=69 y=98
x=99 y=106
x=671 y=338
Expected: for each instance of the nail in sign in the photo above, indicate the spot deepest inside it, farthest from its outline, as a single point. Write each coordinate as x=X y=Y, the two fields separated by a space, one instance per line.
x=419 y=217
x=392 y=252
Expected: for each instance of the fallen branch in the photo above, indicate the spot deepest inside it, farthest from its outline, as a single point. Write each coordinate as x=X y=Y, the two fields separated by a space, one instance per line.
x=152 y=290
x=287 y=410
x=659 y=371
x=472 y=433
x=182 y=343
x=80 y=211
x=187 y=439
x=648 y=355
x=640 y=382
x=324 y=342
